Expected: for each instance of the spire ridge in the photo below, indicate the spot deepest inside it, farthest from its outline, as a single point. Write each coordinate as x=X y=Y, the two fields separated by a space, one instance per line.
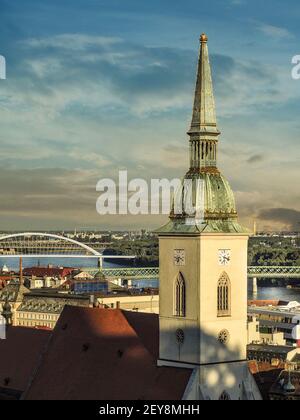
x=203 y=131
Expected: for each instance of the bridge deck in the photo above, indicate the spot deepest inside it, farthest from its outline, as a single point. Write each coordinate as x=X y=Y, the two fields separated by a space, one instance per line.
x=153 y=272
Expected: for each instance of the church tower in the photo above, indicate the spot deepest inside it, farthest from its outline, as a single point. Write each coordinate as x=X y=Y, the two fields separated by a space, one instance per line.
x=203 y=265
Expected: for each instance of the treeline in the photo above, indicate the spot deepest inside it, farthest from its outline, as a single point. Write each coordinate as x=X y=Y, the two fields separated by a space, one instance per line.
x=145 y=250
x=274 y=251
x=262 y=251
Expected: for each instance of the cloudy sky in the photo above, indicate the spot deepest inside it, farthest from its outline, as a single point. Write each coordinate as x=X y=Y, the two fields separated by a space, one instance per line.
x=94 y=86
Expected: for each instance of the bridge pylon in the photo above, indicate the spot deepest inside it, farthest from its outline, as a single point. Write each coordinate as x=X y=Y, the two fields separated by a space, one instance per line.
x=254 y=286
x=100 y=262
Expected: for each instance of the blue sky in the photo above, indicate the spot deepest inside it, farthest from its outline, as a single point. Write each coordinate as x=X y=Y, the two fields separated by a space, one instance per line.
x=94 y=86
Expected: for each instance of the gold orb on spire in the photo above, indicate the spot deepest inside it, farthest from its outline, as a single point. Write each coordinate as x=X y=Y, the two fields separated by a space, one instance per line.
x=203 y=38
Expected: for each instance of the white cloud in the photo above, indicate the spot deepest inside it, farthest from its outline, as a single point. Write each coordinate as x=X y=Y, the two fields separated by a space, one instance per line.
x=274 y=31
x=71 y=41
x=116 y=105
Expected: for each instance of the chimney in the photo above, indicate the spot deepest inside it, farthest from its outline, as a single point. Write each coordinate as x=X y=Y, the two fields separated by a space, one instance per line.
x=255 y=228
x=92 y=301
x=21 y=271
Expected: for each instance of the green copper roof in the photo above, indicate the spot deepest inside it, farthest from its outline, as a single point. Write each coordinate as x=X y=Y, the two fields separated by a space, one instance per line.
x=217 y=199
x=204 y=112
x=215 y=205
x=178 y=226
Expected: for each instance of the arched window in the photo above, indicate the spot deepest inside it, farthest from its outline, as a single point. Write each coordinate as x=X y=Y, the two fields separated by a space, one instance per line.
x=179 y=296
x=224 y=396
x=224 y=296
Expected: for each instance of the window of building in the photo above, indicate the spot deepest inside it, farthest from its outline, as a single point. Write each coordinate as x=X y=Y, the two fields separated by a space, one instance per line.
x=224 y=296
x=225 y=396
x=179 y=296
x=180 y=336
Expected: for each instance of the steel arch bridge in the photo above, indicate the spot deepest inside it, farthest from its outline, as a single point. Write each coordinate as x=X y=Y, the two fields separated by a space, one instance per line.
x=39 y=245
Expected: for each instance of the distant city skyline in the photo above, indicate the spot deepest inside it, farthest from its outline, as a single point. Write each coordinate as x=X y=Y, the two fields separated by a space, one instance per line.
x=97 y=86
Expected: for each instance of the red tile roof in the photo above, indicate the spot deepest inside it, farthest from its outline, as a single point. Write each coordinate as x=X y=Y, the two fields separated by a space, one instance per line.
x=105 y=354
x=47 y=272
x=19 y=354
x=146 y=327
x=4 y=280
x=265 y=375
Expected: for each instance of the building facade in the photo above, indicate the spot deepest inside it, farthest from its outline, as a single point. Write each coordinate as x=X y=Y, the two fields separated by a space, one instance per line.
x=280 y=319
x=137 y=302
x=43 y=309
x=13 y=293
x=203 y=266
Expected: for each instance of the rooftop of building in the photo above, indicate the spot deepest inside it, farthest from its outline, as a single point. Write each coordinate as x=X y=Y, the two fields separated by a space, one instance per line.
x=51 y=302
x=266 y=348
x=115 y=351
x=19 y=353
x=266 y=303
x=287 y=384
x=265 y=375
x=128 y=293
x=47 y=271
x=4 y=280
x=288 y=310
x=51 y=293
x=14 y=291
x=41 y=307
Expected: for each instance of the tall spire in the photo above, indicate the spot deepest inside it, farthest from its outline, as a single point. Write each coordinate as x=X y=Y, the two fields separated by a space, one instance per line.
x=203 y=131
x=204 y=202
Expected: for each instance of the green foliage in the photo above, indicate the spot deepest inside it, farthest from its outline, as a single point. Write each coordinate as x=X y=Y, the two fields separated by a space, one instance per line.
x=146 y=250
x=274 y=251
x=262 y=251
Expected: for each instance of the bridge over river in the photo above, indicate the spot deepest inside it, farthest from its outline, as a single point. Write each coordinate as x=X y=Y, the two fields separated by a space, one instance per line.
x=45 y=245
x=149 y=273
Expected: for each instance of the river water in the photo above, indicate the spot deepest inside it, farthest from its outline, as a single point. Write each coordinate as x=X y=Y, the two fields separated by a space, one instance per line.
x=274 y=293
x=265 y=293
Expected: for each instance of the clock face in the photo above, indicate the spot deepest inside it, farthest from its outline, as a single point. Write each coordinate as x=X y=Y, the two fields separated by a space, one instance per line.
x=224 y=256
x=179 y=257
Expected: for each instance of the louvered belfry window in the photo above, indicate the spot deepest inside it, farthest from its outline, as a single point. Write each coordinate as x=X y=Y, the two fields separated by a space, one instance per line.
x=224 y=296
x=179 y=296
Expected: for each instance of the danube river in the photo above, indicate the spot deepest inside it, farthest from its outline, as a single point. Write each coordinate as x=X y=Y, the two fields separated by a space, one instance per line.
x=265 y=293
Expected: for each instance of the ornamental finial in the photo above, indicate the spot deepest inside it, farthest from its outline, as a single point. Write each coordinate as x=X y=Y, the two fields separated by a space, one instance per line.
x=203 y=38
